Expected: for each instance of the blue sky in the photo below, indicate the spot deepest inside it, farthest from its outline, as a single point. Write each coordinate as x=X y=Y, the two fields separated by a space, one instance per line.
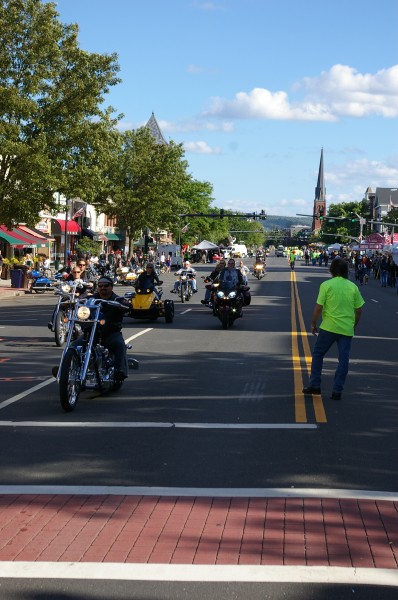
x=255 y=88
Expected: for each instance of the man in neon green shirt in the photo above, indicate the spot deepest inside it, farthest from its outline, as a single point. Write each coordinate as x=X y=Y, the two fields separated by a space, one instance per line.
x=340 y=304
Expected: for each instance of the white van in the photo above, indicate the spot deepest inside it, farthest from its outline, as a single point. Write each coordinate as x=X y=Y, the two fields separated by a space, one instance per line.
x=174 y=250
x=239 y=251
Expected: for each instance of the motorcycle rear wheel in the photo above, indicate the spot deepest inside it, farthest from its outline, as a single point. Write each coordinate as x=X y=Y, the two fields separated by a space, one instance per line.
x=69 y=381
x=60 y=329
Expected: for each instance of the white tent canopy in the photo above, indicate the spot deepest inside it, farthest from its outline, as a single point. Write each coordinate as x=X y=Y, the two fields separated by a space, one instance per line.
x=205 y=245
x=335 y=246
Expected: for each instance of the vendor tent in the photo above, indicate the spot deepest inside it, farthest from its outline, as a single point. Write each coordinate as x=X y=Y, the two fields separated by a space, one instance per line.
x=205 y=245
x=335 y=246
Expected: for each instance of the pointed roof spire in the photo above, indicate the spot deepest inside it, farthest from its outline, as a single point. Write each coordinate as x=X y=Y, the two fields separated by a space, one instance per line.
x=320 y=192
x=155 y=130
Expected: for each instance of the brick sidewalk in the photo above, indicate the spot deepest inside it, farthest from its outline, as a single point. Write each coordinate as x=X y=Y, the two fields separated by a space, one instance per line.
x=199 y=530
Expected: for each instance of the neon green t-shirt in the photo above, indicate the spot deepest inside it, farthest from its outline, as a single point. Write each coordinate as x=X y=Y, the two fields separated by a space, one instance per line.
x=339 y=298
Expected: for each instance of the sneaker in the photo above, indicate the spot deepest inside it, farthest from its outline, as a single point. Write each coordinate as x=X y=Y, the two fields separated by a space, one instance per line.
x=50 y=325
x=336 y=395
x=204 y=302
x=311 y=390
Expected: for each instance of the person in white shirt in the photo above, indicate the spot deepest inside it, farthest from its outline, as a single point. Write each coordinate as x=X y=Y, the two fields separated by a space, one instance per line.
x=186 y=269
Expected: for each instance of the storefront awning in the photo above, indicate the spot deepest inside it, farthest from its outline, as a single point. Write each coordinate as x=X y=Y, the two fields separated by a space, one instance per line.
x=88 y=233
x=112 y=237
x=38 y=234
x=73 y=227
x=21 y=239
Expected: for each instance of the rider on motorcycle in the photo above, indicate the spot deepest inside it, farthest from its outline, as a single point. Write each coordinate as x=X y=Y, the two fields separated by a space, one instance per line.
x=213 y=277
x=187 y=270
x=147 y=278
x=230 y=278
x=112 y=337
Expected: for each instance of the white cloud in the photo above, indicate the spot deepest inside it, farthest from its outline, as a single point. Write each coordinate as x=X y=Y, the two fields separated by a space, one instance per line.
x=201 y=148
x=263 y=104
x=349 y=93
x=187 y=125
x=336 y=93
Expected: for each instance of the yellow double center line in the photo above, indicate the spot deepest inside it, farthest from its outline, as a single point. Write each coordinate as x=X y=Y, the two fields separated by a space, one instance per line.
x=299 y=399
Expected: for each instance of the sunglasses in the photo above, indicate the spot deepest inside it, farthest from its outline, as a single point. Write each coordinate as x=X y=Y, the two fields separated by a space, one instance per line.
x=104 y=285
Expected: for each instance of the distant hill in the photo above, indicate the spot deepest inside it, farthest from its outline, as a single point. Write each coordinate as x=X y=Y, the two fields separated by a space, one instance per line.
x=279 y=222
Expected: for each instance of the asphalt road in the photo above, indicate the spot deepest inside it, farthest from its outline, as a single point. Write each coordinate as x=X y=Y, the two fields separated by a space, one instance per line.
x=221 y=409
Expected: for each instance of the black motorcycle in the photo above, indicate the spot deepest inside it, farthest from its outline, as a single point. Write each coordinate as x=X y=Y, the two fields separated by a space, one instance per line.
x=228 y=305
x=185 y=290
x=87 y=364
x=67 y=292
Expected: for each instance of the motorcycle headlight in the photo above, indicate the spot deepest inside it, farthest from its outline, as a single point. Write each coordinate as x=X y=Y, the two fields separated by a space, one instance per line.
x=65 y=288
x=83 y=313
x=232 y=295
x=220 y=294
x=183 y=277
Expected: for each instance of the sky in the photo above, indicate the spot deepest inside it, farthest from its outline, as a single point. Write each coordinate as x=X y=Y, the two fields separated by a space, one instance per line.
x=254 y=89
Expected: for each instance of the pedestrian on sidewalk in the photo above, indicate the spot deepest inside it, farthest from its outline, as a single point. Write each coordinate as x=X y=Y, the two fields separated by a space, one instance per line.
x=340 y=304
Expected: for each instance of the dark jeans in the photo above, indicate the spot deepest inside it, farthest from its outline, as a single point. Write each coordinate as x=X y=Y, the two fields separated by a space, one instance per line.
x=115 y=344
x=323 y=343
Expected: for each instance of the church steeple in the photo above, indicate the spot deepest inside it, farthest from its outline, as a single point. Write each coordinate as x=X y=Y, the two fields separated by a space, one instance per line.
x=320 y=198
x=155 y=130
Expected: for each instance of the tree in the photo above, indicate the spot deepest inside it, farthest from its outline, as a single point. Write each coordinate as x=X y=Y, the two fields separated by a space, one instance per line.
x=148 y=183
x=53 y=134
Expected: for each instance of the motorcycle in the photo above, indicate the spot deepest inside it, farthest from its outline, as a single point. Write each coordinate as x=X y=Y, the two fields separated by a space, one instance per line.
x=41 y=280
x=88 y=365
x=147 y=303
x=127 y=275
x=228 y=305
x=67 y=293
x=185 y=290
x=259 y=271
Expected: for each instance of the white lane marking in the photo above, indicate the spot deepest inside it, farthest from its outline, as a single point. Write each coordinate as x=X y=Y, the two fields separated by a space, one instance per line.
x=373 y=300
x=17 y=320
x=26 y=393
x=199 y=573
x=119 y=490
x=136 y=335
x=155 y=425
x=184 y=312
x=52 y=380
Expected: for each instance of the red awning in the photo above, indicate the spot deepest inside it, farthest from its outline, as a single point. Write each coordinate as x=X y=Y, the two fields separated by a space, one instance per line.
x=73 y=227
x=20 y=238
x=36 y=233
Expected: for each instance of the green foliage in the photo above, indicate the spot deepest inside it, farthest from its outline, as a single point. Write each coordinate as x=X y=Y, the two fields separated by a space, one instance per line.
x=53 y=134
x=88 y=246
x=150 y=184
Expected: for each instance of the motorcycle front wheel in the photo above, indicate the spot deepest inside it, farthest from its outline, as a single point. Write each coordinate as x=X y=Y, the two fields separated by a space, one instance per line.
x=60 y=329
x=182 y=293
x=224 y=318
x=69 y=380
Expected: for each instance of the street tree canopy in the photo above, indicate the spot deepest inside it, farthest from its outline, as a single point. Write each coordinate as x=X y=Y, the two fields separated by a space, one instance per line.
x=148 y=180
x=54 y=135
